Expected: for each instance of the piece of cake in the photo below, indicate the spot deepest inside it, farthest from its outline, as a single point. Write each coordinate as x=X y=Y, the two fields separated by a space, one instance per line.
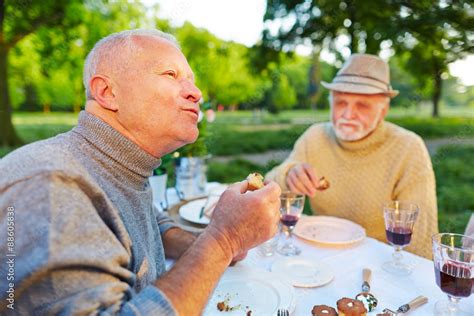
x=255 y=181
x=323 y=310
x=349 y=307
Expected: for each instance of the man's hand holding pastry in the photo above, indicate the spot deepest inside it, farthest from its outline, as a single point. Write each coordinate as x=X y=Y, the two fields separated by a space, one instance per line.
x=302 y=179
x=244 y=219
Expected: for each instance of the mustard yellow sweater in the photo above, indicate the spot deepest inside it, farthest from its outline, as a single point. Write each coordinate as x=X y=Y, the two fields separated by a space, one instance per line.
x=390 y=164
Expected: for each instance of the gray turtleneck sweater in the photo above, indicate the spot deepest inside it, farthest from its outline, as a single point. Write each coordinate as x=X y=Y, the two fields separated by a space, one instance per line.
x=78 y=231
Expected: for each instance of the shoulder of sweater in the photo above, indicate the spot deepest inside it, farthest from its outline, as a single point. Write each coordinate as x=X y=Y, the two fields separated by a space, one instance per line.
x=317 y=129
x=400 y=134
x=50 y=156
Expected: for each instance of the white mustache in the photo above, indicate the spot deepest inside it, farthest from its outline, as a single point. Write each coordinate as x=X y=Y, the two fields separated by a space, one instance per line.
x=358 y=125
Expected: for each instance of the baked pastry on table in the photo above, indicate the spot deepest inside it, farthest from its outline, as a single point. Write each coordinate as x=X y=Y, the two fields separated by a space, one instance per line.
x=350 y=307
x=323 y=310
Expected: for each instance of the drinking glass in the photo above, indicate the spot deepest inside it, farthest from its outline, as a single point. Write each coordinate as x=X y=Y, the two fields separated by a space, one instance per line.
x=453 y=258
x=290 y=212
x=399 y=216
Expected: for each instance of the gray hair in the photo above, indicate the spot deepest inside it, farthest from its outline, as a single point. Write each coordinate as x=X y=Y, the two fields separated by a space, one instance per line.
x=106 y=48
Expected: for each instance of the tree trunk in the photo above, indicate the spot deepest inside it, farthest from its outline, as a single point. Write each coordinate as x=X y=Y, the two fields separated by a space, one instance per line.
x=46 y=107
x=315 y=90
x=352 y=30
x=437 y=86
x=8 y=136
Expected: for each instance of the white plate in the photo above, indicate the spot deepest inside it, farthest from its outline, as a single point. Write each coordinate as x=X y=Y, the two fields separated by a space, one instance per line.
x=259 y=291
x=328 y=230
x=303 y=272
x=190 y=211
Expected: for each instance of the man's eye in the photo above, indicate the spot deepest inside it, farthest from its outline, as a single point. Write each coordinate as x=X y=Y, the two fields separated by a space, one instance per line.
x=170 y=74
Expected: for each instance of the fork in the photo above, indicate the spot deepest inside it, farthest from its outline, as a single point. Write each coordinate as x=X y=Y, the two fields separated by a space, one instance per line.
x=283 y=312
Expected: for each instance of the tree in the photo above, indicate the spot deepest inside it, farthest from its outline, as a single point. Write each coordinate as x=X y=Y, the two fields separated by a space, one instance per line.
x=435 y=33
x=17 y=20
x=221 y=68
x=321 y=24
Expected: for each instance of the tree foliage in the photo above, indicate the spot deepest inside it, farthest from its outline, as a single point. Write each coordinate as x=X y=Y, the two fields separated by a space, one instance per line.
x=429 y=34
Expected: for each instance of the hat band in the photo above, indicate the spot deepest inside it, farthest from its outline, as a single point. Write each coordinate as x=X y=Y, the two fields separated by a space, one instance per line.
x=363 y=81
x=361 y=76
x=361 y=84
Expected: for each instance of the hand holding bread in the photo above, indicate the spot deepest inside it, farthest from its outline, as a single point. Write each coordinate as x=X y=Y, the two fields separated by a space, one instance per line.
x=302 y=179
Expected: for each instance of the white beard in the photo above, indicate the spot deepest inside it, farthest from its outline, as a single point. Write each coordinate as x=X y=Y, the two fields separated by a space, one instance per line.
x=356 y=130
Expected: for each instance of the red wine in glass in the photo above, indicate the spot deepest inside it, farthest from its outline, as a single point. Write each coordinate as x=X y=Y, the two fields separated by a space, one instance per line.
x=454 y=280
x=399 y=236
x=289 y=219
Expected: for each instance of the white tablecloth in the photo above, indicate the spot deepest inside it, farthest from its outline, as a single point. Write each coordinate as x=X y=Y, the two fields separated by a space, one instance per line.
x=347 y=264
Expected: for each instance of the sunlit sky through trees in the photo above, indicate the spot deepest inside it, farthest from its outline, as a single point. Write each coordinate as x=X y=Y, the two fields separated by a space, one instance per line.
x=242 y=21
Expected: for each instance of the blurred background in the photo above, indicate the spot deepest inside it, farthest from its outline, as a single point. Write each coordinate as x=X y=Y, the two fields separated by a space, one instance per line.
x=259 y=65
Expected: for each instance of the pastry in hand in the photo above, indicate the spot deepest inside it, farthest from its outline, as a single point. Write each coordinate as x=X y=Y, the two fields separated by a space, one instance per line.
x=349 y=307
x=323 y=183
x=323 y=310
x=255 y=181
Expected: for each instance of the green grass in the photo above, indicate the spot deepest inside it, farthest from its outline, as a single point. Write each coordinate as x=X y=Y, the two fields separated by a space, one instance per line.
x=455 y=186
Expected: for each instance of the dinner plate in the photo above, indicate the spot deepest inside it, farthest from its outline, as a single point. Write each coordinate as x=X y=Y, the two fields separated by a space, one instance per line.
x=303 y=272
x=328 y=230
x=191 y=211
x=245 y=289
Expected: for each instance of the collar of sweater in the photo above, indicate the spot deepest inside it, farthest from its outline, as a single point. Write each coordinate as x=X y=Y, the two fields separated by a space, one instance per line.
x=116 y=146
x=370 y=142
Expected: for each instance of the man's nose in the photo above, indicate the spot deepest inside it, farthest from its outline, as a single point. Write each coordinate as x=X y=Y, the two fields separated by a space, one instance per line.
x=191 y=92
x=350 y=111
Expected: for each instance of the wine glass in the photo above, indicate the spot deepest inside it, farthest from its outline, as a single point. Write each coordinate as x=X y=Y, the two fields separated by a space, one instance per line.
x=399 y=216
x=453 y=258
x=290 y=212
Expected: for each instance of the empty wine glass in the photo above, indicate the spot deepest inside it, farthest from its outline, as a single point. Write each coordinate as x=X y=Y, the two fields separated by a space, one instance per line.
x=453 y=258
x=290 y=212
x=399 y=216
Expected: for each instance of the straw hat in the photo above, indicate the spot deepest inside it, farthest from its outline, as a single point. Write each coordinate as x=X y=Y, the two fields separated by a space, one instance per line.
x=363 y=74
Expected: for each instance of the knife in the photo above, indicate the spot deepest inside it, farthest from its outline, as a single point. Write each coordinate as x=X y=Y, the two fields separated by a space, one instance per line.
x=420 y=300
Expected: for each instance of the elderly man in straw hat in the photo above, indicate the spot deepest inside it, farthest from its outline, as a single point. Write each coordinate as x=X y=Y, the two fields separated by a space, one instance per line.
x=366 y=160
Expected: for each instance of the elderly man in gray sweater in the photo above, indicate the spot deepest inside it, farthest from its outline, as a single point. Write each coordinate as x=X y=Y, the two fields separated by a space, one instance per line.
x=78 y=231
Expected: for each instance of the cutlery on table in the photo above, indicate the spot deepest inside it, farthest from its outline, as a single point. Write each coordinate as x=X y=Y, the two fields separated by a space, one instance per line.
x=368 y=299
x=201 y=213
x=283 y=312
x=402 y=310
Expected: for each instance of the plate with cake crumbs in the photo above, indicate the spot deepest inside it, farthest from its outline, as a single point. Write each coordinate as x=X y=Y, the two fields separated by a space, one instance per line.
x=250 y=292
x=329 y=230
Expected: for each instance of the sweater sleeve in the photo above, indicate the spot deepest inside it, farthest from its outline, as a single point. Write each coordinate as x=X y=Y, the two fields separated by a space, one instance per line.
x=69 y=257
x=164 y=221
x=297 y=155
x=417 y=184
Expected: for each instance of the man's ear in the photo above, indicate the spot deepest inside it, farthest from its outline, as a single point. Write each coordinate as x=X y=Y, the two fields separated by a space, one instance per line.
x=102 y=92
x=385 y=109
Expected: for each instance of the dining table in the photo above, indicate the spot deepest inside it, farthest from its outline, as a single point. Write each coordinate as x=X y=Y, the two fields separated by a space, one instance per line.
x=346 y=263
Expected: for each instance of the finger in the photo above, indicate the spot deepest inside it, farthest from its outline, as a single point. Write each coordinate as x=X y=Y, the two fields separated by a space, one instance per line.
x=303 y=180
x=239 y=187
x=272 y=188
x=311 y=174
x=295 y=186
